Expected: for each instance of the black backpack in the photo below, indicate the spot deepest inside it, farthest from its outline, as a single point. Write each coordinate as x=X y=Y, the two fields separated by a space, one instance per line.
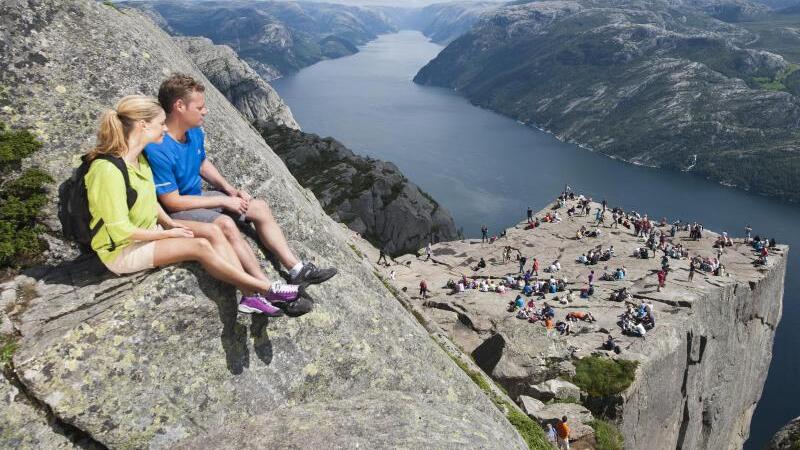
x=73 y=203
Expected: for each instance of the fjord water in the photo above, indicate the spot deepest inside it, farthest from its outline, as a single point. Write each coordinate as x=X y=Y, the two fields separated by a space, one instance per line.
x=486 y=168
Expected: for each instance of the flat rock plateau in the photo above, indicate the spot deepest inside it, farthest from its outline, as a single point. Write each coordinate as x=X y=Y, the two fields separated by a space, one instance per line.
x=701 y=369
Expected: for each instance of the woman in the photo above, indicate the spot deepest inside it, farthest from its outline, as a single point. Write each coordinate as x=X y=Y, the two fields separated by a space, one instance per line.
x=145 y=237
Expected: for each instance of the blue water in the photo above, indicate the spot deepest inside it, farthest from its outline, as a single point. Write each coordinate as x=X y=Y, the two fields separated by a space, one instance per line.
x=486 y=168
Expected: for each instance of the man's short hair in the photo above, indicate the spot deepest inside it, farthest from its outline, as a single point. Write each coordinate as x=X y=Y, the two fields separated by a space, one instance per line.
x=177 y=87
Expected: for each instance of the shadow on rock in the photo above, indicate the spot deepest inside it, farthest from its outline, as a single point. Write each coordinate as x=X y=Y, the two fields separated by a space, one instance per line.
x=82 y=271
x=234 y=334
x=261 y=343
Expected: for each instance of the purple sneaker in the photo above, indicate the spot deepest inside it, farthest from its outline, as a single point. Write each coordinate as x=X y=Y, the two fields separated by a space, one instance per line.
x=283 y=293
x=258 y=304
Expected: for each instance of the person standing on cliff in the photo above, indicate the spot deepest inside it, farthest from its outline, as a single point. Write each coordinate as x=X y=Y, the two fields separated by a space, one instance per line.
x=423 y=289
x=484 y=233
x=382 y=256
x=662 y=279
x=179 y=163
x=747 y=231
x=530 y=214
x=522 y=261
x=562 y=430
x=428 y=251
x=692 y=269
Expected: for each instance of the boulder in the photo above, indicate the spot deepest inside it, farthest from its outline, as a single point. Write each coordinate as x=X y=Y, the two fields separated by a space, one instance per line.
x=555 y=389
x=162 y=359
x=530 y=405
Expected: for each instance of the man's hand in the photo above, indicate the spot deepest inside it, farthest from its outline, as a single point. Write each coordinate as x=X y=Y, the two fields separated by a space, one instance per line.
x=242 y=194
x=236 y=204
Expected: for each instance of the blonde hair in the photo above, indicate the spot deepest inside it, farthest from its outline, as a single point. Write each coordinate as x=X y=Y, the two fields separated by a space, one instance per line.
x=116 y=124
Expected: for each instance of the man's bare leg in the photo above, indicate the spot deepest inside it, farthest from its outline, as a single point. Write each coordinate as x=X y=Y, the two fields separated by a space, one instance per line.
x=270 y=233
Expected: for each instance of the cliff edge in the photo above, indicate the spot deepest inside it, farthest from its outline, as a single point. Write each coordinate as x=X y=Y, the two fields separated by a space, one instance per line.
x=693 y=382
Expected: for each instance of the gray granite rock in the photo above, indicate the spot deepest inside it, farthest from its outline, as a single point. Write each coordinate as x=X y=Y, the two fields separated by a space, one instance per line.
x=23 y=426
x=160 y=358
x=555 y=389
x=530 y=405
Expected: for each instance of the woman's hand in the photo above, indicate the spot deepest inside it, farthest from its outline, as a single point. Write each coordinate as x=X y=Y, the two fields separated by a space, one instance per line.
x=179 y=231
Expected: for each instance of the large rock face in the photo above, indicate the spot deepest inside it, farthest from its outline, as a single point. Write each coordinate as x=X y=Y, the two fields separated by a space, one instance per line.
x=237 y=81
x=161 y=359
x=371 y=196
x=655 y=83
x=701 y=370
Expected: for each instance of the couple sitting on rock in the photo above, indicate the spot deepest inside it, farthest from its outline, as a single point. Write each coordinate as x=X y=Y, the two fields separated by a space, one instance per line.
x=188 y=224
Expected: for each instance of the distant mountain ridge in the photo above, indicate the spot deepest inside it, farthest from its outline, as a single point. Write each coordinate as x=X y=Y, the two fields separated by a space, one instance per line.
x=658 y=83
x=275 y=38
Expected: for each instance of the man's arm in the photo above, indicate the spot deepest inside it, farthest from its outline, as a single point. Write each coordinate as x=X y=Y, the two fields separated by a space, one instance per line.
x=174 y=202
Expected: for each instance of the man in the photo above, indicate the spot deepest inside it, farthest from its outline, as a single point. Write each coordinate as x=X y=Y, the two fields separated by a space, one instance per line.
x=180 y=162
x=484 y=233
x=530 y=214
x=382 y=257
x=562 y=430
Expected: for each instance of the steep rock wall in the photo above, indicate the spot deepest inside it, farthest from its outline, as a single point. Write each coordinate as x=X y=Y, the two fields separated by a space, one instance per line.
x=704 y=391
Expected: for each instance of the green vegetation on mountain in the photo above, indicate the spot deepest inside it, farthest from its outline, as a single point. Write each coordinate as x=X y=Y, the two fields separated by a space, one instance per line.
x=601 y=377
x=22 y=196
x=653 y=83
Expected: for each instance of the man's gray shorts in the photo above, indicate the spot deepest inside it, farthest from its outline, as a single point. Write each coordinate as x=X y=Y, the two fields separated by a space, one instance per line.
x=207 y=215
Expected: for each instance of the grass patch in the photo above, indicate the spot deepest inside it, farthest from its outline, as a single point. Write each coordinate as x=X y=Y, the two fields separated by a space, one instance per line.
x=22 y=198
x=529 y=430
x=776 y=83
x=602 y=377
x=356 y=251
x=607 y=435
x=7 y=348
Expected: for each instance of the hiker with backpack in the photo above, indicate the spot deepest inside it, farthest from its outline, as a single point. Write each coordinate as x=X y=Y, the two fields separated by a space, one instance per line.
x=112 y=195
x=179 y=165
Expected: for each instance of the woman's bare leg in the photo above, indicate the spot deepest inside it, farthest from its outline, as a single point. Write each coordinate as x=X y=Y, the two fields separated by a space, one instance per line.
x=174 y=250
x=216 y=237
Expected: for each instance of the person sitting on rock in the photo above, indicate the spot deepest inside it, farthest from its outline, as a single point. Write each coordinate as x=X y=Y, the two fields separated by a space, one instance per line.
x=179 y=164
x=142 y=237
x=481 y=265
x=575 y=316
x=611 y=344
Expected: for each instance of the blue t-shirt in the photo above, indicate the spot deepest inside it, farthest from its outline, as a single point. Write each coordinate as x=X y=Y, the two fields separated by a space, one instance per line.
x=176 y=165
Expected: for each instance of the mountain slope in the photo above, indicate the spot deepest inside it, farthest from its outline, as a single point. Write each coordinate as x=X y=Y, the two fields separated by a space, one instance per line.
x=275 y=38
x=649 y=82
